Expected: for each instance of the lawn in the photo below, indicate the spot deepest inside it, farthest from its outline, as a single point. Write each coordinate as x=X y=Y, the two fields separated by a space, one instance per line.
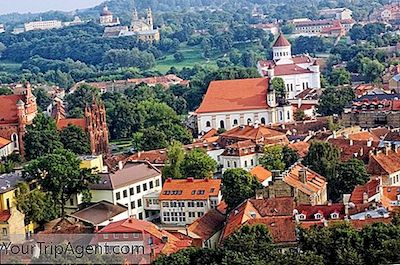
x=192 y=55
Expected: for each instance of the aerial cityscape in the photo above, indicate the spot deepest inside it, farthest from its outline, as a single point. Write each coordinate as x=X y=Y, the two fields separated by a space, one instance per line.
x=180 y=132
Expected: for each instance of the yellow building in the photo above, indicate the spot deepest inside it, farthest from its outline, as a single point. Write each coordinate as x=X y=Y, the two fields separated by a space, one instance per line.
x=92 y=162
x=12 y=221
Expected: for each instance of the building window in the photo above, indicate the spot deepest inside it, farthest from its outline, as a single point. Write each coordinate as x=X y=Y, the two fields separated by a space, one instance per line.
x=105 y=236
x=157 y=182
x=245 y=163
x=318 y=216
x=208 y=124
x=165 y=204
x=14 y=138
x=118 y=196
x=288 y=115
x=192 y=214
x=200 y=204
x=144 y=186
x=262 y=120
x=125 y=193
x=140 y=216
x=138 y=189
x=139 y=203
x=133 y=205
x=190 y=204
x=200 y=214
x=248 y=121
x=235 y=122
x=131 y=191
x=280 y=115
x=222 y=124
x=235 y=164
x=228 y=164
x=252 y=162
x=150 y=184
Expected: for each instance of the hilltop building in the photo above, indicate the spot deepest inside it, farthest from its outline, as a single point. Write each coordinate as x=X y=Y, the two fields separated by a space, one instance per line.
x=336 y=13
x=298 y=72
x=107 y=18
x=16 y=112
x=143 y=28
x=43 y=25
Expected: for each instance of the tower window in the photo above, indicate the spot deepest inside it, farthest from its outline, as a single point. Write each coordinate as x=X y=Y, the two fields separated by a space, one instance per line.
x=235 y=122
x=222 y=124
x=262 y=120
x=208 y=124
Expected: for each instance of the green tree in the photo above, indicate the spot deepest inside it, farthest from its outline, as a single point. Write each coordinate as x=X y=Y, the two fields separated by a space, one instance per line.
x=339 y=76
x=60 y=175
x=279 y=85
x=35 y=204
x=41 y=137
x=150 y=138
x=75 y=140
x=175 y=158
x=299 y=115
x=83 y=96
x=5 y=91
x=371 y=69
x=278 y=157
x=179 y=57
x=238 y=185
x=198 y=164
x=333 y=100
x=323 y=158
x=43 y=99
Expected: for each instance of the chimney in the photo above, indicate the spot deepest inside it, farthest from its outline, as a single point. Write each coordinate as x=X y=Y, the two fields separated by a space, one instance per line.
x=120 y=165
x=169 y=179
x=190 y=179
x=351 y=142
x=365 y=197
x=361 y=153
x=369 y=142
x=387 y=148
x=303 y=175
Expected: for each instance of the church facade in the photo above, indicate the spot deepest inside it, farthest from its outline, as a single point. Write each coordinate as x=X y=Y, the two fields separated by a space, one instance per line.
x=298 y=72
x=16 y=112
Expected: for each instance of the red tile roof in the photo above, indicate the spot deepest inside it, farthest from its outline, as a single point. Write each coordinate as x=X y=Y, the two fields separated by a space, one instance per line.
x=324 y=210
x=360 y=224
x=290 y=69
x=281 y=41
x=4 y=142
x=371 y=188
x=315 y=182
x=256 y=134
x=382 y=164
x=391 y=192
x=301 y=148
x=282 y=228
x=261 y=173
x=79 y=122
x=234 y=95
x=207 y=225
x=363 y=136
x=190 y=189
x=8 y=108
x=358 y=149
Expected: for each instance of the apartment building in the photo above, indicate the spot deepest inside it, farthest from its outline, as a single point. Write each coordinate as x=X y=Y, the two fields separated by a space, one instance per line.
x=182 y=201
x=43 y=25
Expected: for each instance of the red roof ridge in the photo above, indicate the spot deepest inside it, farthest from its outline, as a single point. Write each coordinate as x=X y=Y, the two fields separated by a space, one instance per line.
x=281 y=41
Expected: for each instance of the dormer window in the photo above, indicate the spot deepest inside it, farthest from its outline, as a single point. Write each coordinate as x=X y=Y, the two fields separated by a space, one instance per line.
x=334 y=216
x=318 y=216
x=301 y=216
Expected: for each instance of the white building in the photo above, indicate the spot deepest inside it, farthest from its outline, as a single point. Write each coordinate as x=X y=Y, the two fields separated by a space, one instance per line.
x=298 y=72
x=43 y=25
x=182 y=201
x=2 y=28
x=127 y=186
x=107 y=18
x=336 y=13
x=231 y=103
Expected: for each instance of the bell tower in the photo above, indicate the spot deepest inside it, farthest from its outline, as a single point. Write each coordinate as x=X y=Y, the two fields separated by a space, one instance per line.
x=149 y=18
x=282 y=50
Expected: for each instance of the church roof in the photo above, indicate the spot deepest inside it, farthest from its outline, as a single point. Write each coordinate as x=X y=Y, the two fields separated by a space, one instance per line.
x=234 y=95
x=281 y=41
x=79 y=122
x=8 y=108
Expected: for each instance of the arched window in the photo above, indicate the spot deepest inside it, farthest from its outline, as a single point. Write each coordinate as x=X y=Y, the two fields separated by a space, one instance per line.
x=234 y=165
x=228 y=164
x=235 y=122
x=208 y=124
x=222 y=124
x=280 y=115
x=14 y=139
x=248 y=121
x=288 y=115
x=262 y=120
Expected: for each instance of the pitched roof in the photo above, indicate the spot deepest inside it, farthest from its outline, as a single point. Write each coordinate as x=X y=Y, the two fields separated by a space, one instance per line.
x=363 y=136
x=301 y=148
x=254 y=133
x=371 y=188
x=234 y=95
x=281 y=41
x=131 y=173
x=314 y=182
x=4 y=142
x=382 y=164
x=282 y=228
x=79 y=122
x=207 y=225
x=354 y=148
x=99 y=212
x=190 y=189
x=8 y=108
x=260 y=173
x=324 y=210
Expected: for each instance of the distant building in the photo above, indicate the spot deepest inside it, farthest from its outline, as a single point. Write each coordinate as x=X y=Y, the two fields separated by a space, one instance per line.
x=269 y=28
x=184 y=200
x=43 y=25
x=143 y=28
x=16 y=112
x=107 y=18
x=336 y=13
x=324 y=27
x=2 y=28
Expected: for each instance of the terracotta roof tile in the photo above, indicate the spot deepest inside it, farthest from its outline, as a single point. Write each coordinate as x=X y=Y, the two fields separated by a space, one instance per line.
x=315 y=182
x=79 y=122
x=359 y=148
x=281 y=41
x=190 y=189
x=380 y=132
x=382 y=164
x=282 y=229
x=234 y=95
x=261 y=173
x=324 y=210
x=301 y=148
x=207 y=225
x=371 y=188
x=8 y=108
x=248 y=132
x=4 y=142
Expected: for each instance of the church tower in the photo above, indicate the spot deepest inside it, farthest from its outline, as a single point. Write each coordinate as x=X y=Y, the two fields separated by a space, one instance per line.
x=135 y=15
x=282 y=50
x=149 y=18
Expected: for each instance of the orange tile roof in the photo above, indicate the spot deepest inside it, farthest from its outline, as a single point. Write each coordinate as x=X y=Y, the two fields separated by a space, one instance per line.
x=281 y=41
x=315 y=182
x=282 y=228
x=79 y=122
x=207 y=225
x=8 y=108
x=371 y=188
x=382 y=164
x=261 y=173
x=301 y=148
x=325 y=210
x=211 y=133
x=234 y=95
x=363 y=136
x=190 y=189
x=153 y=156
x=391 y=192
x=248 y=132
x=4 y=142
x=360 y=224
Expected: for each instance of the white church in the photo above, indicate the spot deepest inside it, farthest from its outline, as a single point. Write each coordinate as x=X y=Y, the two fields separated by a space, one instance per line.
x=231 y=103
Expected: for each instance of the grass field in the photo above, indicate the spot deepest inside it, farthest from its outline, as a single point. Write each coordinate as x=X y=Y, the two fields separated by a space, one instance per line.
x=9 y=66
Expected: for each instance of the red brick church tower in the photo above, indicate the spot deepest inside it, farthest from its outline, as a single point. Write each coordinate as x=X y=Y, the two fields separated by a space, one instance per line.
x=16 y=112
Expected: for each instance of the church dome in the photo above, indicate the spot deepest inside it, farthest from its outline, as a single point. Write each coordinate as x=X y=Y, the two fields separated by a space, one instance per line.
x=105 y=11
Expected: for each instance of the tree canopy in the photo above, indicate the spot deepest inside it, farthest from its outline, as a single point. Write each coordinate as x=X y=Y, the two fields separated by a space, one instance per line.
x=198 y=164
